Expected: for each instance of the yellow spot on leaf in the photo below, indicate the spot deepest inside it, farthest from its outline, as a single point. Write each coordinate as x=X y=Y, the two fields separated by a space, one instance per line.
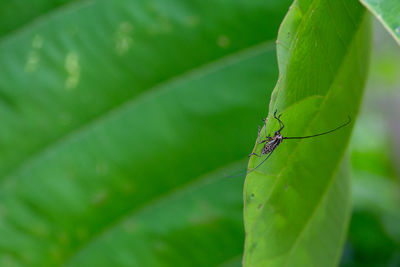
x=102 y=168
x=129 y=226
x=73 y=69
x=100 y=198
x=123 y=38
x=192 y=21
x=37 y=42
x=223 y=41
x=33 y=59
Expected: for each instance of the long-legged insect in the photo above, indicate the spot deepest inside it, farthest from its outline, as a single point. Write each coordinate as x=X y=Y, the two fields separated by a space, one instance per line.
x=271 y=143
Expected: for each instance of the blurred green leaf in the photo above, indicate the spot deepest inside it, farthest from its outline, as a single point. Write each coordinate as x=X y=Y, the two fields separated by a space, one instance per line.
x=380 y=196
x=388 y=13
x=368 y=153
x=119 y=120
x=374 y=235
x=370 y=245
x=297 y=204
x=15 y=14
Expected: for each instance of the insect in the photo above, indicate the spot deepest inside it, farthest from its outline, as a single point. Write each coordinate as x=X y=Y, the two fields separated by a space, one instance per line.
x=271 y=143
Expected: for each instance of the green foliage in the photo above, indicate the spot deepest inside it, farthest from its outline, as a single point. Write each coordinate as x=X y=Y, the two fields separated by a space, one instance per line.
x=374 y=233
x=124 y=125
x=388 y=13
x=297 y=205
x=119 y=121
x=14 y=15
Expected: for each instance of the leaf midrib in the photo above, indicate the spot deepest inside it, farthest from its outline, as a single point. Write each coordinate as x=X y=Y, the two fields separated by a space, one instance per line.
x=309 y=125
x=279 y=175
x=320 y=201
x=328 y=187
x=197 y=72
x=194 y=73
x=191 y=185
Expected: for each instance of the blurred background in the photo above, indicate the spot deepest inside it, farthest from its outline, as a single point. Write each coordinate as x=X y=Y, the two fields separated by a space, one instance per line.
x=123 y=124
x=374 y=232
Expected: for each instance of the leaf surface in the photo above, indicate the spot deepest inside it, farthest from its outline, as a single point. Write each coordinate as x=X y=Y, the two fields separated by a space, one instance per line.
x=297 y=203
x=388 y=13
x=16 y=14
x=120 y=120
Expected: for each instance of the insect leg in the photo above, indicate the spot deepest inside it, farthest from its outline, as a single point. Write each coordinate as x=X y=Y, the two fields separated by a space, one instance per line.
x=265 y=127
x=280 y=122
x=259 y=132
x=267 y=138
x=255 y=154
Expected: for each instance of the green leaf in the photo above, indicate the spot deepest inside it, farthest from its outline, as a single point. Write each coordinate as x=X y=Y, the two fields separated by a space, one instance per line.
x=374 y=234
x=296 y=203
x=119 y=121
x=388 y=13
x=14 y=15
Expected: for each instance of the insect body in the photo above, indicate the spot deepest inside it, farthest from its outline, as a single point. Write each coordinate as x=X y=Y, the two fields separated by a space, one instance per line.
x=271 y=143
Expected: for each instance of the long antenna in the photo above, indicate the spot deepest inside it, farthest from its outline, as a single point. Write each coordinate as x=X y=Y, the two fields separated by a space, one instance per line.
x=308 y=136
